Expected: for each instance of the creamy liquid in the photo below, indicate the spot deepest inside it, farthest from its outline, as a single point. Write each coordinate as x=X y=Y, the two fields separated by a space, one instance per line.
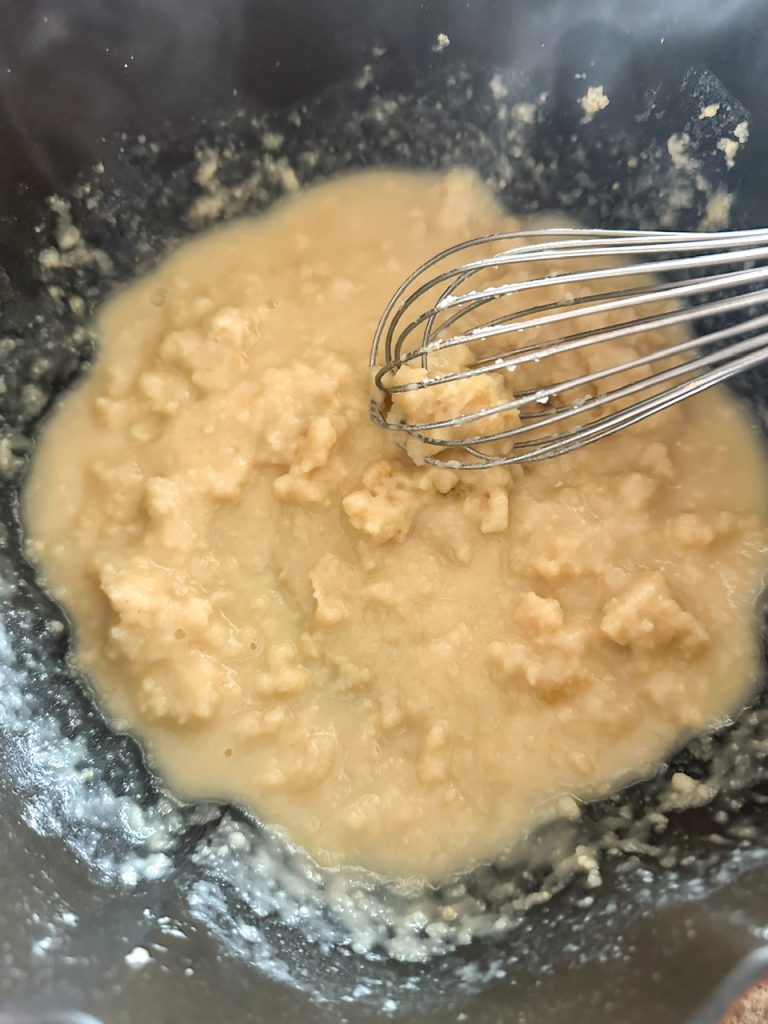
x=403 y=667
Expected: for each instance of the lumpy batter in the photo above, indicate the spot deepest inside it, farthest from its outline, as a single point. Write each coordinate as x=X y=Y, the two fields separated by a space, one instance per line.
x=403 y=667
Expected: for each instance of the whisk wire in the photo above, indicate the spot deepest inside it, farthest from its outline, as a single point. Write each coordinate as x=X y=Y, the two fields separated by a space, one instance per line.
x=509 y=325
x=415 y=328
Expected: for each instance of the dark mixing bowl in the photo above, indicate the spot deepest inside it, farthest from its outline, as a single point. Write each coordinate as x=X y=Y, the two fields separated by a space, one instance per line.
x=136 y=88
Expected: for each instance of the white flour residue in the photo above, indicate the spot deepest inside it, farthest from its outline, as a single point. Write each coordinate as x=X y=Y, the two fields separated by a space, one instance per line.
x=718 y=211
x=730 y=146
x=138 y=957
x=592 y=102
x=683 y=194
x=677 y=147
x=498 y=90
x=710 y=110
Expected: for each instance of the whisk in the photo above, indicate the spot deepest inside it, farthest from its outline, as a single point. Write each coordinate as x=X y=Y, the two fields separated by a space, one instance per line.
x=706 y=280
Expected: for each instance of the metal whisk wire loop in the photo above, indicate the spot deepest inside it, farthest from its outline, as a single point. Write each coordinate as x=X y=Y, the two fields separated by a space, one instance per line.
x=699 y=292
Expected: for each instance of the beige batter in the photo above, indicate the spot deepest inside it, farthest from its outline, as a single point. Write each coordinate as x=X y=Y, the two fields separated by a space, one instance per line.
x=405 y=668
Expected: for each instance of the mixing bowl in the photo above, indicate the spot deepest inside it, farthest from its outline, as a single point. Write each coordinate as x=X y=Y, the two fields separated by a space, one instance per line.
x=124 y=128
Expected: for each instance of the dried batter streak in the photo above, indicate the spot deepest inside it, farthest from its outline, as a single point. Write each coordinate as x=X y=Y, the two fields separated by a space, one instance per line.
x=403 y=667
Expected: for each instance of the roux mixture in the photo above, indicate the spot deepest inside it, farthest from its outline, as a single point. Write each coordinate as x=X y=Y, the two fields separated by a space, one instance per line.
x=403 y=667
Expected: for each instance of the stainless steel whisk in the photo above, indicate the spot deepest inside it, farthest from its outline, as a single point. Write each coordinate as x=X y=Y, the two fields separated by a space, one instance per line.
x=718 y=296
